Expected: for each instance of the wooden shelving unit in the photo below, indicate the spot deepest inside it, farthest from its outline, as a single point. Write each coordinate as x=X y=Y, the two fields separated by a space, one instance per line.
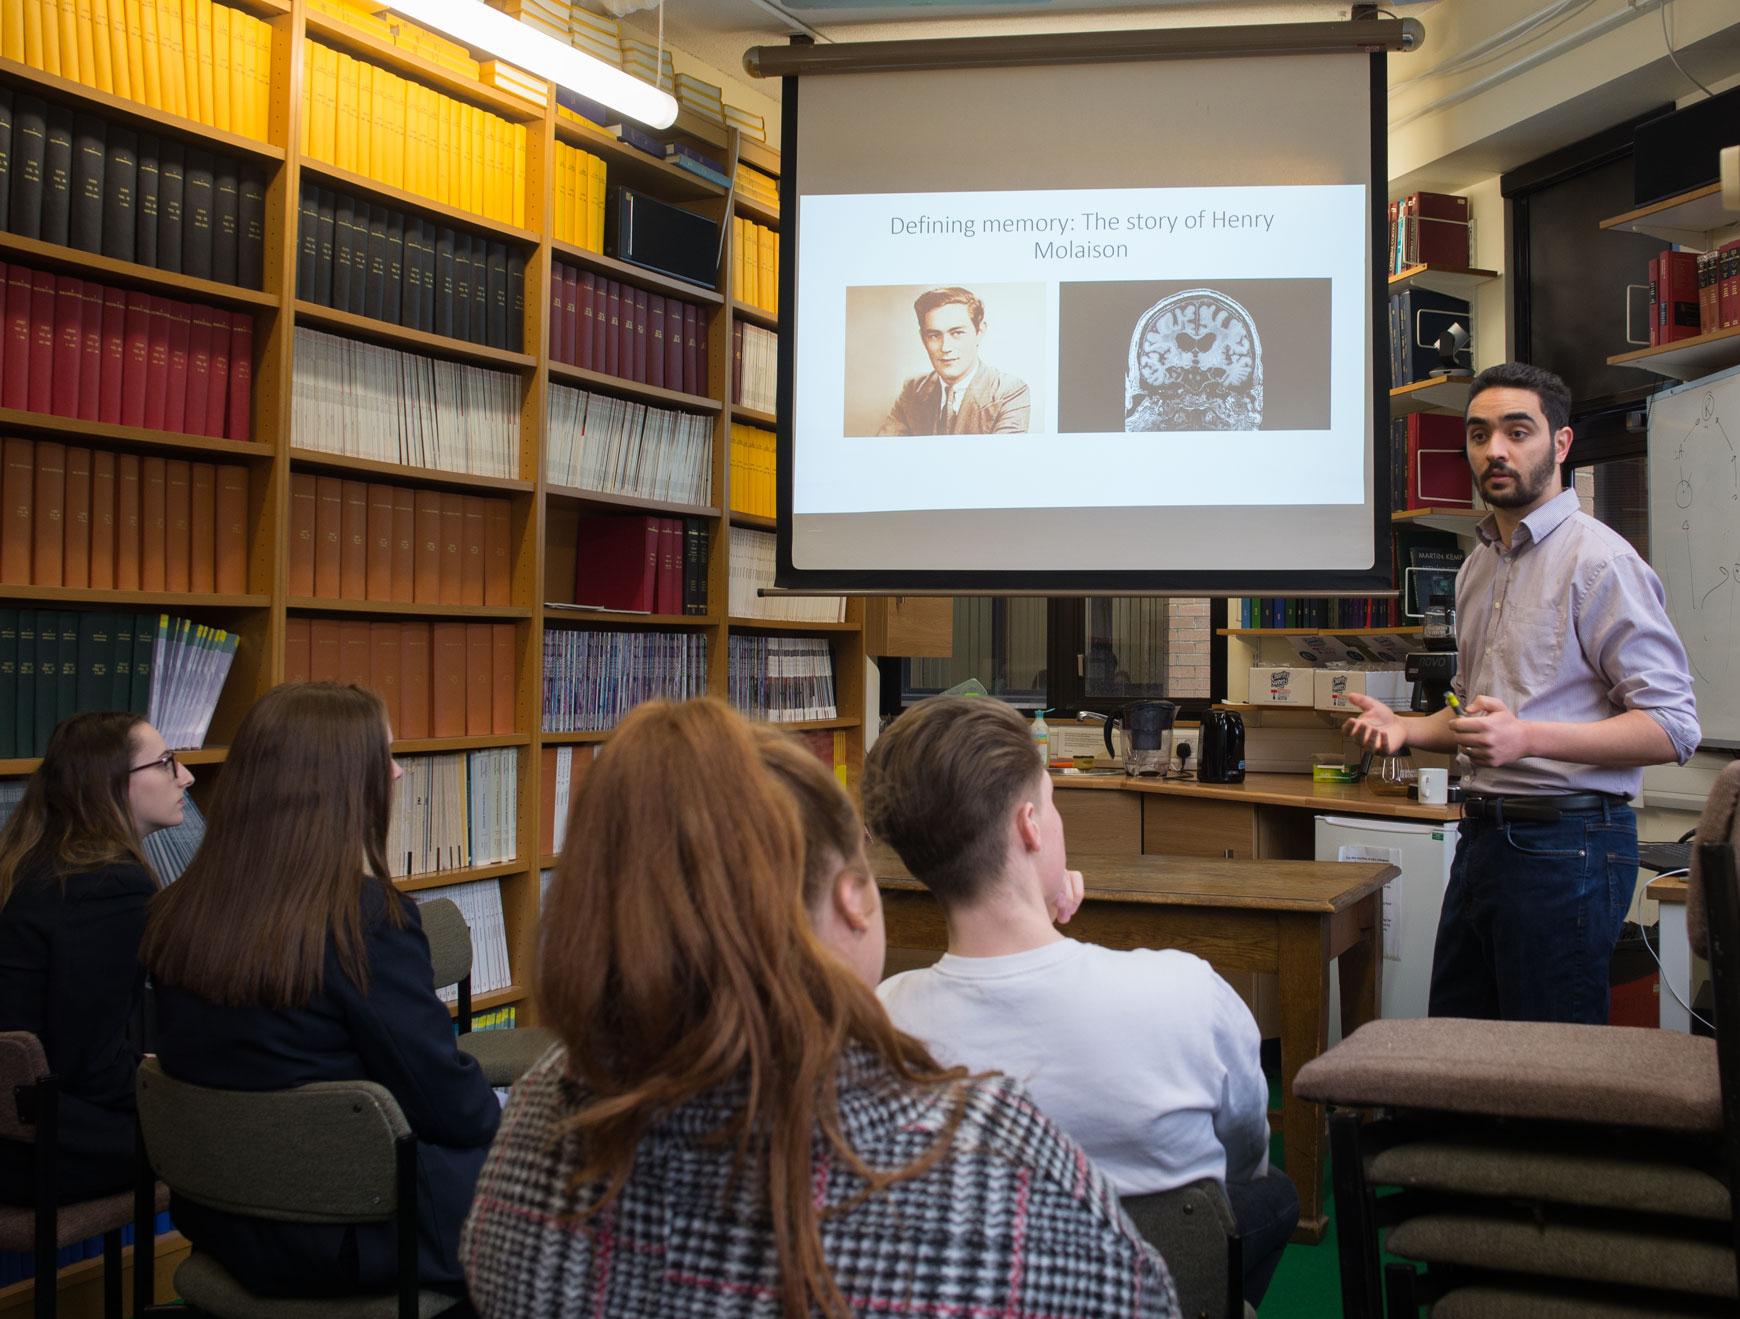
x=1449 y=394
x=1695 y=219
x=1457 y=281
x=542 y=512
x=1687 y=359
x=1457 y=521
x=1317 y=631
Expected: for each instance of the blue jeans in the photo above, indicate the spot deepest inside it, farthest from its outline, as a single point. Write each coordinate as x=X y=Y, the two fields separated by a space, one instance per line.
x=1531 y=917
x=1267 y=1211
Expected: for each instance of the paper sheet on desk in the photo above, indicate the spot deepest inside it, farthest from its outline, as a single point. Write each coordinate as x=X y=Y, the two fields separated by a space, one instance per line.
x=1392 y=901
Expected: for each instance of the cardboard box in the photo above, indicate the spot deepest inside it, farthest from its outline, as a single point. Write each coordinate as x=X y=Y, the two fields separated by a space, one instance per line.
x=1278 y=684
x=1332 y=686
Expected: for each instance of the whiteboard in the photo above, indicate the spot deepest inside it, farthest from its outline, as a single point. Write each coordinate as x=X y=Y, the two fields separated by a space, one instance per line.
x=1694 y=537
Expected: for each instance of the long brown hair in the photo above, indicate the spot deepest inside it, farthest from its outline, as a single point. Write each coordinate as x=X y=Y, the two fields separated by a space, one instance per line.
x=297 y=827
x=76 y=814
x=678 y=956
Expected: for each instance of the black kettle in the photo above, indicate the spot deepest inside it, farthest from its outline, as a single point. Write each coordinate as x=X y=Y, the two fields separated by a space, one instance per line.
x=1220 y=751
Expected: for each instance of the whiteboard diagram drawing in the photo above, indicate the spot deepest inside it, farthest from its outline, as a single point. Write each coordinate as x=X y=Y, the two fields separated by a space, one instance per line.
x=1694 y=537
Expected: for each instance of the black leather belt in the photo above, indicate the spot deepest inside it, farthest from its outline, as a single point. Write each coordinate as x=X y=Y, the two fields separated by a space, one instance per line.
x=1543 y=807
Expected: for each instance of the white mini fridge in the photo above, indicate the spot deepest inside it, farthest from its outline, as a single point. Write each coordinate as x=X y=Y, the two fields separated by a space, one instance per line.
x=1411 y=901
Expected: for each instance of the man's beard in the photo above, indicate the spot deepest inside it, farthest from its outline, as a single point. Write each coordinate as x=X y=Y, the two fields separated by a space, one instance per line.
x=1524 y=489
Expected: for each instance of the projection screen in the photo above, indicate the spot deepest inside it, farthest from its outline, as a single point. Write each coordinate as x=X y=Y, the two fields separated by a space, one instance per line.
x=1162 y=374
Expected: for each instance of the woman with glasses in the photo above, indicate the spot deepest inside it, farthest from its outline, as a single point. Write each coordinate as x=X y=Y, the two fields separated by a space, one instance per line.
x=733 y=1127
x=74 y=889
x=284 y=955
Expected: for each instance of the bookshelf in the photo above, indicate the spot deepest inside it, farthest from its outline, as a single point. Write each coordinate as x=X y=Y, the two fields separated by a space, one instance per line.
x=544 y=514
x=1448 y=394
x=1696 y=220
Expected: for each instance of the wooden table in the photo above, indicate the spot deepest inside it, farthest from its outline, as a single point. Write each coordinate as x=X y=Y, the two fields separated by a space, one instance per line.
x=1288 y=917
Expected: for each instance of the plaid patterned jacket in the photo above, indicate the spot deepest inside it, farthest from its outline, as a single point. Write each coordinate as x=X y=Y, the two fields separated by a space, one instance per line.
x=1015 y=1221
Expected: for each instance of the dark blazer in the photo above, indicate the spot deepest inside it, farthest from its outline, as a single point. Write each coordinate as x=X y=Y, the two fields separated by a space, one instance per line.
x=397 y=1033
x=70 y=975
x=996 y=403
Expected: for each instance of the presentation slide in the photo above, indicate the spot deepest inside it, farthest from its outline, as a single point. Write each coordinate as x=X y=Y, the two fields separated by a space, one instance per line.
x=1207 y=344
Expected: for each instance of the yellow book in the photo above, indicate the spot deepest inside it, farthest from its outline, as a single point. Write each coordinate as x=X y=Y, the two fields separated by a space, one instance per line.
x=737 y=258
x=109 y=27
x=568 y=200
x=150 y=55
x=495 y=191
x=189 y=10
x=133 y=43
x=770 y=282
x=222 y=112
x=520 y=175
x=595 y=215
x=208 y=109
x=349 y=88
x=265 y=45
x=23 y=26
x=172 y=62
x=66 y=26
x=90 y=73
x=413 y=143
x=368 y=120
x=480 y=200
x=399 y=144
x=447 y=189
x=245 y=76
x=324 y=63
x=464 y=120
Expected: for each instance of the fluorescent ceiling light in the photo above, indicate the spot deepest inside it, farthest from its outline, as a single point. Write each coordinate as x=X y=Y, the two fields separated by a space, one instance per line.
x=483 y=28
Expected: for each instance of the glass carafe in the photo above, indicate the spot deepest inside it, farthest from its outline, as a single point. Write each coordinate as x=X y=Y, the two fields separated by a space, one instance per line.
x=1392 y=776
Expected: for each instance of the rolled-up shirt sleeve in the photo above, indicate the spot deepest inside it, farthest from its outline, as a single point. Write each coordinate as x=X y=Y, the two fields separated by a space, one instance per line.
x=1624 y=631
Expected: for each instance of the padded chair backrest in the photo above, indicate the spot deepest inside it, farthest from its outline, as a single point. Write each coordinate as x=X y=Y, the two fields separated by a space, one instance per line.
x=22 y=1063
x=1720 y=823
x=1193 y=1228
x=449 y=940
x=321 y=1153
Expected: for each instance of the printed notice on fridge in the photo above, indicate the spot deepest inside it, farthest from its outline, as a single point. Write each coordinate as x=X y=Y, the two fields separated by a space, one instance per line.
x=1209 y=345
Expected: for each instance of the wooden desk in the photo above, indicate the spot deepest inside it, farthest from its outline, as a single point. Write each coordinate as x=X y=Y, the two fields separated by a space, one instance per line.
x=1288 y=917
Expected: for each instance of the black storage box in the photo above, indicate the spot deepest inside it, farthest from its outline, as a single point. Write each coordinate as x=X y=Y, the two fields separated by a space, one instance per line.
x=1682 y=150
x=647 y=232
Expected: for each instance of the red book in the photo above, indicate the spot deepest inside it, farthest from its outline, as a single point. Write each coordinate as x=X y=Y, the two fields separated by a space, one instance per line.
x=473 y=549
x=479 y=647
x=578 y=349
x=1435 y=230
x=91 y=362
x=655 y=340
x=198 y=369
x=637 y=336
x=355 y=663
x=498 y=553
x=180 y=330
x=328 y=536
x=415 y=674
x=691 y=357
x=1679 y=296
x=49 y=509
x=624 y=320
x=241 y=407
x=76 y=547
x=447 y=680
x=303 y=503
x=618 y=563
x=178 y=525
x=218 y=397
x=137 y=357
x=41 y=383
x=129 y=494
x=674 y=312
x=18 y=497
x=559 y=346
x=452 y=552
x=1438 y=475
x=501 y=678
x=157 y=365
x=583 y=321
x=69 y=345
x=114 y=356
x=612 y=326
x=1654 y=301
x=202 y=531
x=15 y=365
x=353 y=544
x=699 y=384
x=404 y=545
x=385 y=667
x=379 y=584
x=298 y=661
x=426 y=563
x=102 y=520
x=324 y=650
x=232 y=528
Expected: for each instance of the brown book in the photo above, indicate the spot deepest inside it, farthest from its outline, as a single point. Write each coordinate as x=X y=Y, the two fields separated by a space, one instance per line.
x=479 y=646
x=50 y=500
x=472 y=549
x=547 y=800
x=447 y=680
x=452 y=549
x=202 y=531
x=298 y=659
x=498 y=554
x=404 y=545
x=102 y=520
x=380 y=543
x=501 y=678
x=324 y=646
x=129 y=492
x=355 y=664
x=75 y=554
x=18 y=526
x=302 y=518
x=353 y=543
x=177 y=525
x=426 y=585
x=384 y=667
x=328 y=530
x=232 y=528
x=153 y=524
x=414 y=676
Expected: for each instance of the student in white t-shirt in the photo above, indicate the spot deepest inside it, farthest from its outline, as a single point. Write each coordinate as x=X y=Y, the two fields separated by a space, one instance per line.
x=1148 y=1058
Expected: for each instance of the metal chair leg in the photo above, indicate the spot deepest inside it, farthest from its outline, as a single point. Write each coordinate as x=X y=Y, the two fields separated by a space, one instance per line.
x=112 y=1274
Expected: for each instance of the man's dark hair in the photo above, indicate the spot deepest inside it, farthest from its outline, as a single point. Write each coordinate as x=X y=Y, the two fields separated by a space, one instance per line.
x=1554 y=395
x=939 y=785
x=931 y=299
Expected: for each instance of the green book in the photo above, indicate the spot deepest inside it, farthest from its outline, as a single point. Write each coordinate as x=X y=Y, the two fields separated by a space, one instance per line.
x=8 y=683
x=95 y=654
x=47 y=677
x=144 y=637
x=121 y=668
x=24 y=695
x=66 y=699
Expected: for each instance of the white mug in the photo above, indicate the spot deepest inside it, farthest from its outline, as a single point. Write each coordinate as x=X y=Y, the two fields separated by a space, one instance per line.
x=1434 y=784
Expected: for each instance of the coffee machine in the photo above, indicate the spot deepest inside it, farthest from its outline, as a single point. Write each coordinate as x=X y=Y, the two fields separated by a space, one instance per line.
x=1433 y=669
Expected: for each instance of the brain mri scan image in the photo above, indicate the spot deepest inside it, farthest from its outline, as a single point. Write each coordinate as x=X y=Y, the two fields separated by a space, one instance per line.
x=1196 y=364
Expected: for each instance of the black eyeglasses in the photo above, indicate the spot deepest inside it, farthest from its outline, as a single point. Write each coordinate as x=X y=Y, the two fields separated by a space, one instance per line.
x=166 y=761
